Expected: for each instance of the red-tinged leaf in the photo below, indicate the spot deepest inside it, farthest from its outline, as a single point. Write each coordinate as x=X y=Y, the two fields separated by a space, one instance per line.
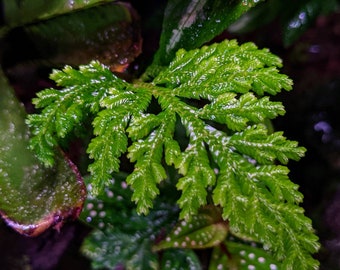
x=33 y=197
x=204 y=230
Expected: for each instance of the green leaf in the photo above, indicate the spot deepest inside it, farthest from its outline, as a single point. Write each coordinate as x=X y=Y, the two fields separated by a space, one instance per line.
x=302 y=18
x=237 y=113
x=202 y=20
x=108 y=33
x=224 y=67
x=295 y=17
x=176 y=122
x=242 y=256
x=111 y=249
x=204 y=230
x=180 y=259
x=125 y=239
x=20 y=12
x=32 y=197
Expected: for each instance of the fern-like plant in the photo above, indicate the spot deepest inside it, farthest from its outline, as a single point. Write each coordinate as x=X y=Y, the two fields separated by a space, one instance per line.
x=217 y=98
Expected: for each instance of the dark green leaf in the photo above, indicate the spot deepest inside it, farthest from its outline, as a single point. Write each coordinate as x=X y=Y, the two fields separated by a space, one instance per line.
x=242 y=256
x=20 y=12
x=180 y=259
x=109 y=33
x=122 y=237
x=204 y=230
x=32 y=197
x=189 y=24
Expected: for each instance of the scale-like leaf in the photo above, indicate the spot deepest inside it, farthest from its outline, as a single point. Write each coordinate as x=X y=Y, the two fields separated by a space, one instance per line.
x=32 y=197
x=232 y=160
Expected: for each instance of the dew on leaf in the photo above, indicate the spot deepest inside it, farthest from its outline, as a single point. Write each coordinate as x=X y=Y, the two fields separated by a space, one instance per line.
x=273 y=267
x=251 y=256
x=261 y=260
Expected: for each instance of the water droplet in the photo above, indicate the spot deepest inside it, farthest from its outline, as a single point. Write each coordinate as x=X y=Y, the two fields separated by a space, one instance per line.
x=261 y=260
x=109 y=193
x=251 y=256
x=273 y=266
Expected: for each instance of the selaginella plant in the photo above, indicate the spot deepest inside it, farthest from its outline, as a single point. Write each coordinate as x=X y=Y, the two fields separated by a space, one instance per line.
x=183 y=158
x=197 y=135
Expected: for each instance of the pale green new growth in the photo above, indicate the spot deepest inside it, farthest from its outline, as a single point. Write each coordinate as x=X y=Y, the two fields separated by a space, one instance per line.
x=214 y=93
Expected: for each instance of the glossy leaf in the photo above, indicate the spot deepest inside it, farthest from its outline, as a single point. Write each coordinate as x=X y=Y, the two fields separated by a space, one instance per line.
x=295 y=17
x=180 y=259
x=21 y=12
x=121 y=237
x=109 y=33
x=241 y=256
x=301 y=19
x=32 y=197
x=204 y=230
x=189 y=24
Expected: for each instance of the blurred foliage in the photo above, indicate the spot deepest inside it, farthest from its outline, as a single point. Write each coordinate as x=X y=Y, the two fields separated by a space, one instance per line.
x=295 y=17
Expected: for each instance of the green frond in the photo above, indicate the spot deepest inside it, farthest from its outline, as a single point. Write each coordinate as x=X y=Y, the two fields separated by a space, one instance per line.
x=237 y=113
x=210 y=96
x=256 y=143
x=224 y=67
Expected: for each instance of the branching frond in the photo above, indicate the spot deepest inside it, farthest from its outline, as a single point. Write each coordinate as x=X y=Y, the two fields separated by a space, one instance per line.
x=214 y=95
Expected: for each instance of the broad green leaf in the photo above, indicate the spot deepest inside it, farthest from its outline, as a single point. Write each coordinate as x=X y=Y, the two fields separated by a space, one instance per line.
x=242 y=256
x=21 y=12
x=295 y=17
x=121 y=237
x=204 y=230
x=303 y=16
x=180 y=259
x=110 y=249
x=32 y=197
x=109 y=33
x=189 y=24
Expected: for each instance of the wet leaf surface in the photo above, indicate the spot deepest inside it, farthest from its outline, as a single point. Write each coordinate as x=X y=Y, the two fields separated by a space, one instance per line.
x=204 y=230
x=32 y=197
x=189 y=24
x=109 y=33
x=24 y=11
x=242 y=256
x=121 y=237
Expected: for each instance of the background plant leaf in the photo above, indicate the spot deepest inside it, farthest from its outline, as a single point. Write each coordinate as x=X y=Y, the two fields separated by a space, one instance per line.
x=204 y=230
x=20 y=12
x=109 y=33
x=32 y=197
x=295 y=17
x=189 y=24
x=242 y=256
x=125 y=239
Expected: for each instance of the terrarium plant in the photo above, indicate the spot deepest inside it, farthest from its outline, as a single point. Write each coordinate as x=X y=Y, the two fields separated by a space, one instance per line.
x=180 y=157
